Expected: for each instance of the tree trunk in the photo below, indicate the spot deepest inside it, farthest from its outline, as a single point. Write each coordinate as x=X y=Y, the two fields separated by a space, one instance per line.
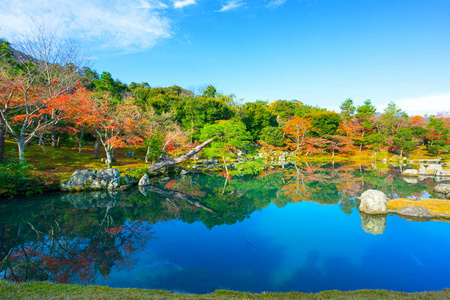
x=21 y=147
x=147 y=154
x=54 y=137
x=2 y=138
x=108 y=158
x=179 y=159
x=97 y=147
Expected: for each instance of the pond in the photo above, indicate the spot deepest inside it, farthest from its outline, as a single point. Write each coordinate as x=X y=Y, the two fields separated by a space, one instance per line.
x=294 y=229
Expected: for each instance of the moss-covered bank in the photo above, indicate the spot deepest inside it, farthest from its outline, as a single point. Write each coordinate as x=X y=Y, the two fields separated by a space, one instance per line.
x=45 y=290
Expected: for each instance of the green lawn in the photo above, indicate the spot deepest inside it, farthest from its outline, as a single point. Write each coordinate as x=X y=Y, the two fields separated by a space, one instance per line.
x=45 y=290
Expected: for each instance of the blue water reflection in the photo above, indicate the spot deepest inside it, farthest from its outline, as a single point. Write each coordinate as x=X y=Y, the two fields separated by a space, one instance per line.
x=285 y=230
x=301 y=247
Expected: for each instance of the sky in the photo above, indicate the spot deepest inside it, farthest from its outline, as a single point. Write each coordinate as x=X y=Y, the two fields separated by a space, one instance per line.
x=319 y=52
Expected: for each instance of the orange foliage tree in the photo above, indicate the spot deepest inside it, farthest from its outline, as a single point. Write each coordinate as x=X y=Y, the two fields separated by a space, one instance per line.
x=296 y=130
x=30 y=80
x=115 y=125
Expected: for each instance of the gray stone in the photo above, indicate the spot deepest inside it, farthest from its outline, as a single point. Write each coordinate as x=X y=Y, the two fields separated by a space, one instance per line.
x=373 y=224
x=88 y=179
x=415 y=211
x=145 y=180
x=410 y=172
x=106 y=178
x=441 y=173
x=77 y=180
x=373 y=202
x=433 y=167
x=442 y=188
x=423 y=170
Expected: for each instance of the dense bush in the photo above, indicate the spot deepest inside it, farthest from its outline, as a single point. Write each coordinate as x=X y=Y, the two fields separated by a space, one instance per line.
x=15 y=177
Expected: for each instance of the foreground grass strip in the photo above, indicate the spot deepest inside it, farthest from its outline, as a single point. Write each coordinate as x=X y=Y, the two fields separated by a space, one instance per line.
x=41 y=290
x=435 y=206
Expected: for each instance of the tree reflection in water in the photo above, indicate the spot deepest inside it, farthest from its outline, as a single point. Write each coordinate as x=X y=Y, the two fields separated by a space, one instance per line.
x=74 y=238
x=51 y=240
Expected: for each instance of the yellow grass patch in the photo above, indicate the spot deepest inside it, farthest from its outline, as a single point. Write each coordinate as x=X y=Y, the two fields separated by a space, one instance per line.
x=435 y=206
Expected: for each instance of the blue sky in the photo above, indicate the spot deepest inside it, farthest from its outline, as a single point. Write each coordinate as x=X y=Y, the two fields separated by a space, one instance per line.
x=317 y=51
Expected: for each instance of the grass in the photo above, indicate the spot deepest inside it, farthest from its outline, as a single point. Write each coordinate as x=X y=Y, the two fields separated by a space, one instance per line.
x=436 y=206
x=45 y=290
x=56 y=163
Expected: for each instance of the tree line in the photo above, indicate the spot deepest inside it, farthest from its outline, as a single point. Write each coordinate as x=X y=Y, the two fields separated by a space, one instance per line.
x=46 y=95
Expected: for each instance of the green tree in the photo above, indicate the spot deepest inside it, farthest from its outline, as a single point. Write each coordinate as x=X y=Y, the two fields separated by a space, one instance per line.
x=272 y=136
x=393 y=119
x=324 y=123
x=364 y=114
x=231 y=138
x=404 y=140
x=437 y=136
x=285 y=110
x=347 y=109
x=210 y=92
x=256 y=116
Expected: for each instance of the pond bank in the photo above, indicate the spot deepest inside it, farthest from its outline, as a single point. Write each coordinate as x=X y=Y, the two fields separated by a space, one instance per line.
x=39 y=290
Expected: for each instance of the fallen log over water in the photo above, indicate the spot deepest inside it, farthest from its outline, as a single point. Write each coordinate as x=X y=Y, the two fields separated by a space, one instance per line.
x=179 y=159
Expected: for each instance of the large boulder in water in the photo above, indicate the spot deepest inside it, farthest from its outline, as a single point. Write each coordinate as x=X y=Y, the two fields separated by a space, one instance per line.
x=373 y=202
x=442 y=188
x=88 y=179
x=144 y=181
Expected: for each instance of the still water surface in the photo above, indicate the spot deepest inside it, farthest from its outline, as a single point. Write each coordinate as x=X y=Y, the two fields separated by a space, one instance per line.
x=286 y=230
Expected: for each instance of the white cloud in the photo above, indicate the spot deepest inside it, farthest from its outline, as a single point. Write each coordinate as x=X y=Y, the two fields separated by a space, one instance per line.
x=230 y=5
x=275 y=3
x=429 y=105
x=183 y=3
x=119 y=24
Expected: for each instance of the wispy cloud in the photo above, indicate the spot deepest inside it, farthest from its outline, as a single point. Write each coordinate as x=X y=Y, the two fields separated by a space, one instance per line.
x=121 y=24
x=183 y=3
x=275 y=3
x=430 y=105
x=230 y=5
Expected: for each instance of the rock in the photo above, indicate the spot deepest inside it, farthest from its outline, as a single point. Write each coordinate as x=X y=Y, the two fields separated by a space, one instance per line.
x=442 y=188
x=441 y=173
x=423 y=170
x=129 y=180
x=88 y=179
x=145 y=180
x=77 y=180
x=415 y=211
x=373 y=202
x=183 y=172
x=373 y=224
x=106 y=178
x=410 y=172
x=129 y=154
